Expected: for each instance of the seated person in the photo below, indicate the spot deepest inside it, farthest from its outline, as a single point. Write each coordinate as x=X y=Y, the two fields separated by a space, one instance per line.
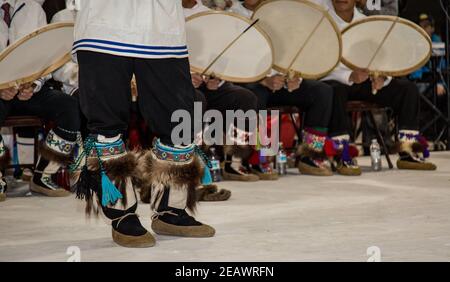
x=37 y=99
x=399 y=94
x=313 y=97
x=424 y=73
x=223 y=96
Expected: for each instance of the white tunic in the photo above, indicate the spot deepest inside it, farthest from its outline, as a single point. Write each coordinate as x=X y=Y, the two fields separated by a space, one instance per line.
x=67 y=74
x=27 y=16
x=132 y=28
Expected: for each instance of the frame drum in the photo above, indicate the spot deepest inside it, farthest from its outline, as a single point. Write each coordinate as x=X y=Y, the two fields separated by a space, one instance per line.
x=249 y=59
x=36 y=55
x=385 y=45
x=305 y=38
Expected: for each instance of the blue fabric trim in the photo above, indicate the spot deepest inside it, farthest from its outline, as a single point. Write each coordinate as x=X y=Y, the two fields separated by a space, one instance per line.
x=130 y=45
x=105 y=145
x=166 y=148
x=128 y=51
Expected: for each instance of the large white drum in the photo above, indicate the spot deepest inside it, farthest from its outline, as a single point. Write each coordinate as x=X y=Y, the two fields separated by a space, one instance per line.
x=249 y=59
x=36 y=55
x=385 y=45
x=305 y=38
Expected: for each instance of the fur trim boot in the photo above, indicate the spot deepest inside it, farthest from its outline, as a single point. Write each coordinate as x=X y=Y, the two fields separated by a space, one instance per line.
x=54 y=153
x=345 y=162
x=108 y=177
x=312 y=157
x=234 y=169
x=169 y=178
x=5 y=159
x=413 y=151
x=211 y=193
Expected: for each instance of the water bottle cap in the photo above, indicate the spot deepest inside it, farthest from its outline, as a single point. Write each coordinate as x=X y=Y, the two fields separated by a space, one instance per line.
x=374 y=141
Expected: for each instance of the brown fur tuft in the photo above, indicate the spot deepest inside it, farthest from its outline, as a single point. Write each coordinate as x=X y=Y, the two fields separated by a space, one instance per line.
x=408 y=147
x=51 y=155
x=241 y=151
x=118 y=170
x=155 y=172
x=305 y=151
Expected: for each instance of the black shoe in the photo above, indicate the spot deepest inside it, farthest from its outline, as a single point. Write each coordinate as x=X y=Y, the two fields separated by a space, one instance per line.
x=44 y=184
x=127 y=230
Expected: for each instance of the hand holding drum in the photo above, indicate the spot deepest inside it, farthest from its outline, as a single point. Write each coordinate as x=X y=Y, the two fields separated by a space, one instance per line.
x=384 y=46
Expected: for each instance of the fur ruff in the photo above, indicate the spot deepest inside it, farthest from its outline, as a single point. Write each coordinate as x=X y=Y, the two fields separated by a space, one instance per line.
x=156 y=176
x=306 y=151
x=118 y=170
x=409 y=147
x=52 y=155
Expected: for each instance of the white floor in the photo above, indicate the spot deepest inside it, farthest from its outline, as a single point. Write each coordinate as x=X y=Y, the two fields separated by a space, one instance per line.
x=405 y=214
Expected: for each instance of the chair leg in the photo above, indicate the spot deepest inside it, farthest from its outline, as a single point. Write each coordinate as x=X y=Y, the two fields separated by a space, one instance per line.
x=36 y=146
x=381 y=139
x=297 y=130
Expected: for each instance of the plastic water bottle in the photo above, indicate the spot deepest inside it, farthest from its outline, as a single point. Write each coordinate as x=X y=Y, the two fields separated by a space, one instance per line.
x=375 y=155
x=281 y=161
x=215 y=165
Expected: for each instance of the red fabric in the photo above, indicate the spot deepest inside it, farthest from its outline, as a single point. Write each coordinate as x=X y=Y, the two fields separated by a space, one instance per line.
x=287 y=131
x=329 y=148
x=353 y=151
x=7 y=16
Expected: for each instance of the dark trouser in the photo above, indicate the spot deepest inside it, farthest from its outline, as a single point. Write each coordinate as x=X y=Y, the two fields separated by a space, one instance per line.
x=401 y=95
x=164 y=86
x=315 y=98
x=229 y=97
x=48 y=104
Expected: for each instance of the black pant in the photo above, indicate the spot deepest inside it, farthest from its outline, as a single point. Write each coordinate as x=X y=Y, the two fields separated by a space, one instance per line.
x=229 y=97
x=164 y=86
x=401 y=95
x=48 y=104
x=313 y=97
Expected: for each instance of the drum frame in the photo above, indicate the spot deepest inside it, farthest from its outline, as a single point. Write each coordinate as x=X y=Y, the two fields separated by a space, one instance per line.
x=231 y=78
x=59 y=63
x=391 y=19
x=333 y=24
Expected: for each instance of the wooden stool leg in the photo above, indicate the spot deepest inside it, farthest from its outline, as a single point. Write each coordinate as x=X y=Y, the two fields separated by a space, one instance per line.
x=380 y=139
x=297 y=130
x=36 y=146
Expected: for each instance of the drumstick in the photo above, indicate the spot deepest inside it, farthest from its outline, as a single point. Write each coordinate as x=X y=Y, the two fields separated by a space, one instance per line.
x=374 y=92
x=305 y=43
x=228 y=47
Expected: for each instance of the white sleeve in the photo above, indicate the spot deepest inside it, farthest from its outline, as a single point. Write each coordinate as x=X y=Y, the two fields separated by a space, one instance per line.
x=67 y=75
x=388 y=81
x=40 y=82
x=341 y=74
x=42 y=18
